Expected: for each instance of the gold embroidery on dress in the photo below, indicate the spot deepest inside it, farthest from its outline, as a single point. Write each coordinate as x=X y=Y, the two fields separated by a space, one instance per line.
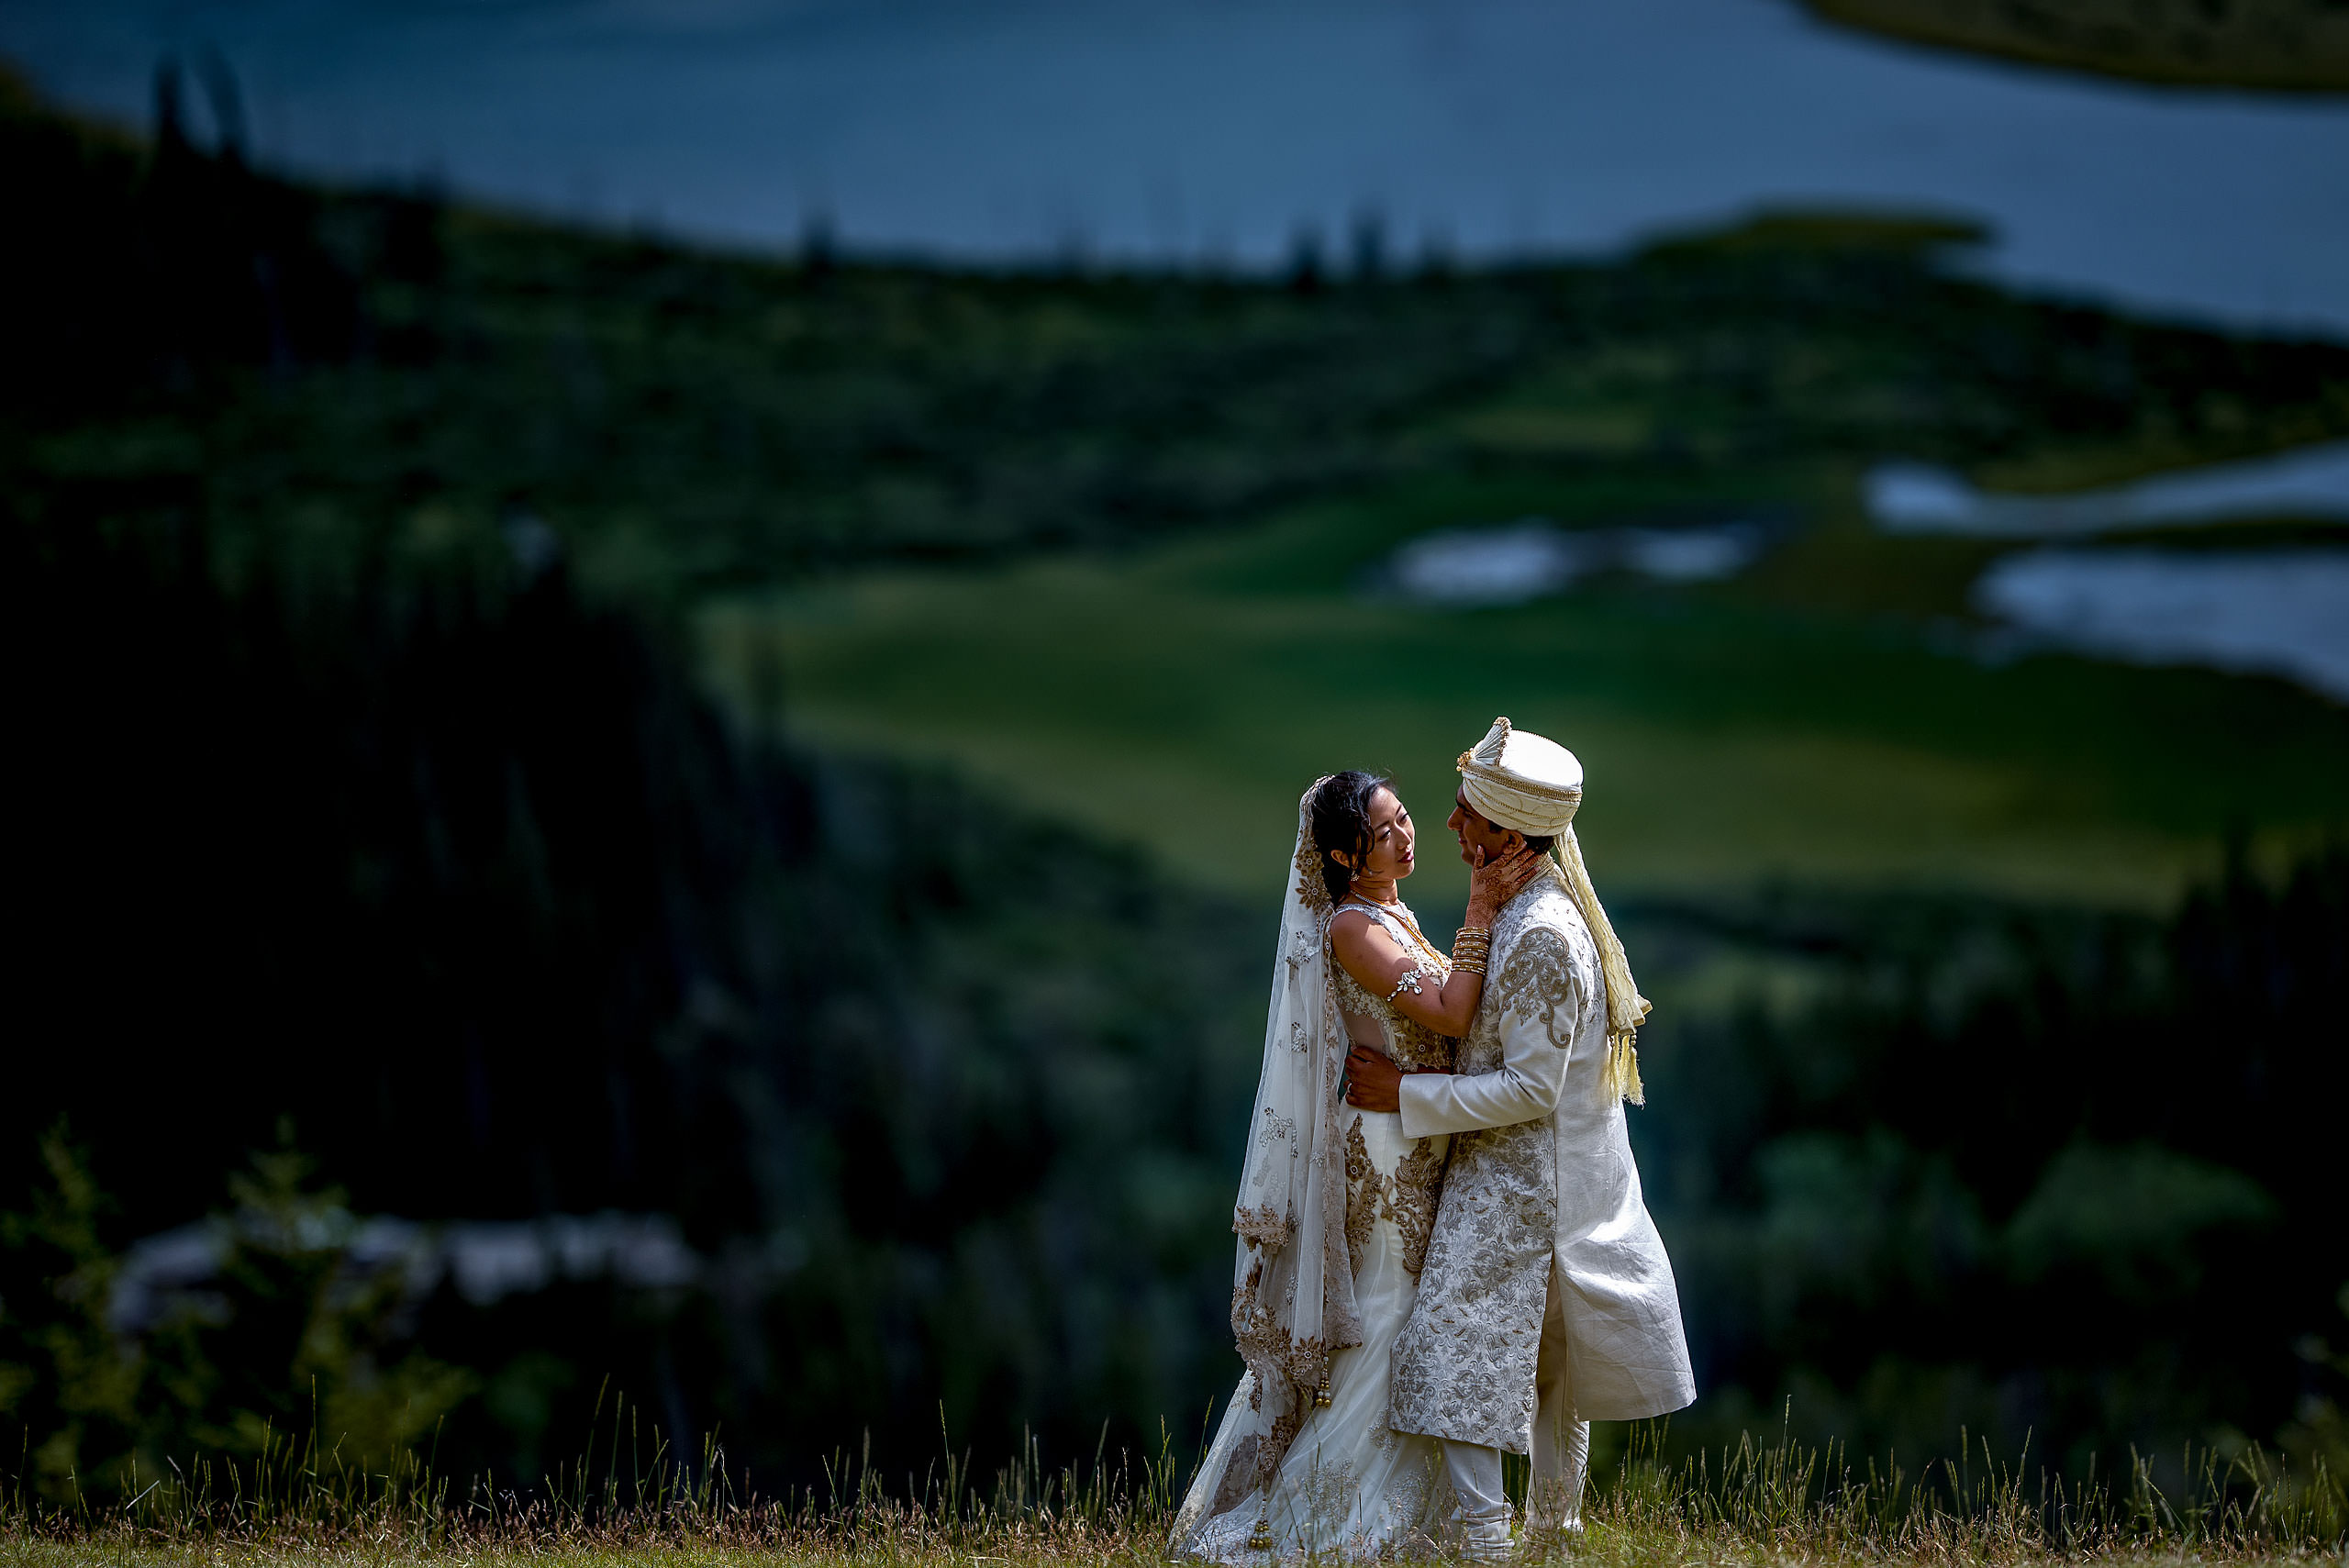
x=1366 y=1192
x=1407 y=1198
x=1401 y=913
x=1412 y=1043
x=1308 y=1366
x=1411 y=1203
x=1239 y=1478
x=1262 y=1226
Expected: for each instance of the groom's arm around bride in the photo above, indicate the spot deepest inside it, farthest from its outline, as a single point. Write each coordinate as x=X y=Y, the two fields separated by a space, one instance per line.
x=1547 y=1300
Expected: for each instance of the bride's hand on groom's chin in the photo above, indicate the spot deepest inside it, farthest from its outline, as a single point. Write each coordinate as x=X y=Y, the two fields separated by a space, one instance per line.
x=1493 y=883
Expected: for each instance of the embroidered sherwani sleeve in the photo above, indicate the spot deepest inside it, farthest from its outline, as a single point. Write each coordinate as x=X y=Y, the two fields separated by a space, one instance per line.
x=1538 y=998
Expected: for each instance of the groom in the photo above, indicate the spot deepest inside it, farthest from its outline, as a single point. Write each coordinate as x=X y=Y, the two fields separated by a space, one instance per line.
x=1546 y=1301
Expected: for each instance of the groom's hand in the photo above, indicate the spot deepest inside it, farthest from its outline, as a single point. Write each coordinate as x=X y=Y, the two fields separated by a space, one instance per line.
x=1373 y=1083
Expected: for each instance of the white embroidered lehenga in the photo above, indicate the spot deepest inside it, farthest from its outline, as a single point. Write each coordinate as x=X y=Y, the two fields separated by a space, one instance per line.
x=1335 y=1210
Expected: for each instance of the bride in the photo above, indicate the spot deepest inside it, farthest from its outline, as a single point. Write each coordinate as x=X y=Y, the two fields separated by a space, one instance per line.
x=1335 y=1204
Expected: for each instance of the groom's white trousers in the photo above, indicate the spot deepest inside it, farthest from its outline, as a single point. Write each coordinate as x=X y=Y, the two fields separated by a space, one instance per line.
x=1561 y=1456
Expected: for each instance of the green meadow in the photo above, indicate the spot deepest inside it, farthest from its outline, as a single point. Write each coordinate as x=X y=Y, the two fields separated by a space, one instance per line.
x=1770 y=1504
x=1831 y=716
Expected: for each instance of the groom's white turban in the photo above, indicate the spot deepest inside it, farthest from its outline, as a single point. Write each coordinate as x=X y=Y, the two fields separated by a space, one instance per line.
x=1522 y=781
x=1513 y=779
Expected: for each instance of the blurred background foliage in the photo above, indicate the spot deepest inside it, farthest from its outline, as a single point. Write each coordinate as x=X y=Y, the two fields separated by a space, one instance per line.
x=410 y=612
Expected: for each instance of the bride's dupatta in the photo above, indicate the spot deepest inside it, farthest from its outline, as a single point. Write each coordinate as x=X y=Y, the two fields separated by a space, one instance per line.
x=1293 y=1288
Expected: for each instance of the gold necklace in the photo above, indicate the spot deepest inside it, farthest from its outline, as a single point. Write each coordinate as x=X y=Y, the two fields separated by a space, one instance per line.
x=1411 y=924
x=1426 y=946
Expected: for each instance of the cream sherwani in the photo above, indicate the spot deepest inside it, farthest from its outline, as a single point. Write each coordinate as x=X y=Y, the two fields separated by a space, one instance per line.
x=1542 y=1225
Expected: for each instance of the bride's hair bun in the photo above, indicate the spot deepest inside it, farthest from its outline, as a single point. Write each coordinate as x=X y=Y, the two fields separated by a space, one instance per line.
x=1340 y=815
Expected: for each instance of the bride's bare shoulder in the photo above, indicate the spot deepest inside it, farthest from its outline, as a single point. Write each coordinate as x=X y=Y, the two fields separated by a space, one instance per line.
x=1353 y=933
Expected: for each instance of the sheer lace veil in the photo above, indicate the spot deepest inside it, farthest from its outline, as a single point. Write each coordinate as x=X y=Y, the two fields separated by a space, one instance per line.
x=1293 y=1294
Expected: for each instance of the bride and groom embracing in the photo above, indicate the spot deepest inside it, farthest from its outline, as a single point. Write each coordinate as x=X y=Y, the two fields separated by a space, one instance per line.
x=1443 y=1252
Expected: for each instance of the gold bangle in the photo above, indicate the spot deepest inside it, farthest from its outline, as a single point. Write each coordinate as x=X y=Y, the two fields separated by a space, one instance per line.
x=1468 y=966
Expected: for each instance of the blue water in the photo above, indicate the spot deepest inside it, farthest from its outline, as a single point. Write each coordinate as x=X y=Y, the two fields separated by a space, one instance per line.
x=1533 y=558
x=2281 y=612
x=2309 y=484
x=1215 y=129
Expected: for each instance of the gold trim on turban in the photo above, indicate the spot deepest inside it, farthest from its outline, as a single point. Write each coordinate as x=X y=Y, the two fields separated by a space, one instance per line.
x=1537 y=792
x=1537 y=801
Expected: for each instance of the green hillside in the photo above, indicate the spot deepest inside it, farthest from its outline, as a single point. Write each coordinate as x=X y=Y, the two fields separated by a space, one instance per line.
x=1782 y=728
x=2292 y=46
x=688 y=421
x=1099 y=537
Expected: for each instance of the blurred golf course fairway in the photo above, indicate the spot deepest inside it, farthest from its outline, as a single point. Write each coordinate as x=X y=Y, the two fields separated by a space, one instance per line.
x=1818 y=720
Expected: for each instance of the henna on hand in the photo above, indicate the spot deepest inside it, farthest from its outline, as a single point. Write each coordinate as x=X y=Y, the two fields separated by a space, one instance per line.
x=1493 y=883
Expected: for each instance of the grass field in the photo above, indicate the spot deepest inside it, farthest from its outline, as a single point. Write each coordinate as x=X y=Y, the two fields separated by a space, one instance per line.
x=1758 y=1502
x=1601 y=1547
x=1820 y=718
